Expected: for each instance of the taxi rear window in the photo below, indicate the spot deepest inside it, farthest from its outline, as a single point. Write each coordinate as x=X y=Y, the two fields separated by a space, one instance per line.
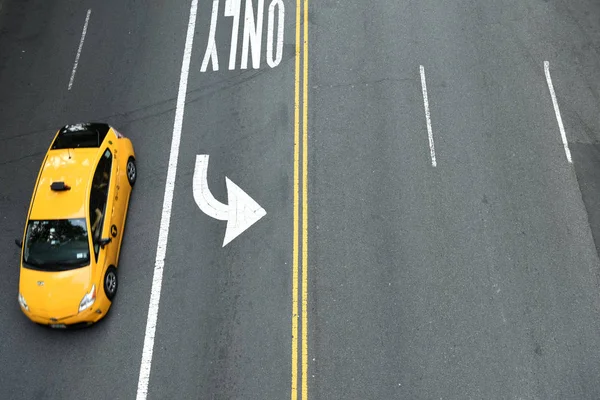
x=80 y=135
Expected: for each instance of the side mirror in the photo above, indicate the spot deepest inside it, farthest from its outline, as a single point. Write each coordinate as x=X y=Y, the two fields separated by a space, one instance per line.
x=104 y=241
x=19 y=243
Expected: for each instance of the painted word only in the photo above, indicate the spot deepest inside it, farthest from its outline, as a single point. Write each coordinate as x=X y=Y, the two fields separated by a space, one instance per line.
x=252 y=34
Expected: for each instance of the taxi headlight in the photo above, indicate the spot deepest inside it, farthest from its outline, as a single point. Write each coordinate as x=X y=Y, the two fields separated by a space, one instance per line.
x=22 y=302
x=88 y=299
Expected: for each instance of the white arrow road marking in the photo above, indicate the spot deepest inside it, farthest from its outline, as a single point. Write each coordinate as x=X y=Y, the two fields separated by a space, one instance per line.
x=202 y=194
x=241 y=212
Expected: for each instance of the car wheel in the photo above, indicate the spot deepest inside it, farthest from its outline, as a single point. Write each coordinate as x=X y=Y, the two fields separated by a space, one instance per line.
x=110 y=282
x=131 y=171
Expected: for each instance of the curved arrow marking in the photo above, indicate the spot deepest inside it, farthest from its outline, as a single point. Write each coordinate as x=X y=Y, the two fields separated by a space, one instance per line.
x=241 y=212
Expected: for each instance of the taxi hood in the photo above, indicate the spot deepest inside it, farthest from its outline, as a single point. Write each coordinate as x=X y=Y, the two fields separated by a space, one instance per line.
x=55 y=294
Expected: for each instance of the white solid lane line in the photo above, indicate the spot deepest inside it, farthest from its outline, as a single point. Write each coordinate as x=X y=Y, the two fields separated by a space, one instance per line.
x=85 y=26
x=557 y=111
x=428 y=117
x=165 y=221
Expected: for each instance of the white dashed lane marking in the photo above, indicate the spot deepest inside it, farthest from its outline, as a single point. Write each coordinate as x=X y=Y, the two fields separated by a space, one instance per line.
x=428 y=117
x=561 y=127
x=85 y=26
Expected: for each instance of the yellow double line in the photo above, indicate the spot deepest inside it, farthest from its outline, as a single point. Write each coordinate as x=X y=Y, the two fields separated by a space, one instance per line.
x=300 y=142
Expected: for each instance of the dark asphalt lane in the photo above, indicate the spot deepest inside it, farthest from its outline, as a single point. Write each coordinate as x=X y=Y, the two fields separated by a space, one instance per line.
x=127 y=75
x=476 y=279
x=224 y=320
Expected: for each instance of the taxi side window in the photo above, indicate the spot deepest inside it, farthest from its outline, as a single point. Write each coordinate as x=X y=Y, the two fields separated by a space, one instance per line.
x=99 y=197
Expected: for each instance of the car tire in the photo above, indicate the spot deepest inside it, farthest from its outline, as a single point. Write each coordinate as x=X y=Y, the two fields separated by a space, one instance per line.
x=131 y=171
x=111 y=283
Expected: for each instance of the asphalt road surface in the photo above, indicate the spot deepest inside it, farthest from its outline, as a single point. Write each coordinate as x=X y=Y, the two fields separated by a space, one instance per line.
x=417 y=244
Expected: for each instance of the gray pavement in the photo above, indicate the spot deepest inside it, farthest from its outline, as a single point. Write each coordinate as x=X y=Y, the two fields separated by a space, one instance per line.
x=478 y=278
x=474 y=279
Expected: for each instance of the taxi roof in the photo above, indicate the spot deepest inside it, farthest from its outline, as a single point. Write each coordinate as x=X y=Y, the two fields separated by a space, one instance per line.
x=72 y=166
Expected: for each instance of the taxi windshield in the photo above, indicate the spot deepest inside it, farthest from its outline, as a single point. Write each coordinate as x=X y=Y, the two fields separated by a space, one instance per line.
x=56 y=245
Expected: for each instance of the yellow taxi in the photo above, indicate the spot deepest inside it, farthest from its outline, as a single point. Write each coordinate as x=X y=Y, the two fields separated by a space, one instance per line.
x=74 y=228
